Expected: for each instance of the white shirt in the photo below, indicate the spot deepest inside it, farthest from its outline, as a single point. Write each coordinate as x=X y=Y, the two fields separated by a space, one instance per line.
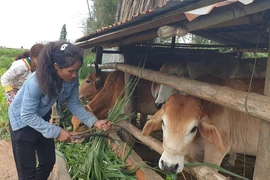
x=15 y=76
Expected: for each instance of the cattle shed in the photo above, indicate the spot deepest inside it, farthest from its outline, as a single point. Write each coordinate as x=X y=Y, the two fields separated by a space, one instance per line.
x=241 y=25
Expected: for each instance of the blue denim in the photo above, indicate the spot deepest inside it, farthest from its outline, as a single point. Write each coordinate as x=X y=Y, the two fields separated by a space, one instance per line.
x=30 y=105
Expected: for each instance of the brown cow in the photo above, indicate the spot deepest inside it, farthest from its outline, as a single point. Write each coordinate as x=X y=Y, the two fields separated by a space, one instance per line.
x=92 y=84
x=204 y=130
x=107 y=96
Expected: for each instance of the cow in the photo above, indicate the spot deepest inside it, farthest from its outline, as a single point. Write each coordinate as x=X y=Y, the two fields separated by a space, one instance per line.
x=92 y=84
x=233 y=68
x=107 y=96
x=204 y=130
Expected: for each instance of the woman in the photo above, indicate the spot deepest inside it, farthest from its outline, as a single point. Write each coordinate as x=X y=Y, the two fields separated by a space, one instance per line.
x=25 y=54
x=55 y=80
x=14 y=77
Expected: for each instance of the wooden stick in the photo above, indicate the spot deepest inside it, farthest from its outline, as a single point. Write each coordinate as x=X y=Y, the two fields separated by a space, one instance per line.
x=133 y=159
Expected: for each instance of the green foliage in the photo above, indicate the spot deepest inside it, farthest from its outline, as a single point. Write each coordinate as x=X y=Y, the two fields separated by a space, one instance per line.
x=74 y=154
x=63 y=34
x=111 y=167
x=7 y=56
x=103 y=14
x=200 y=40
x=100 y=163
x=254 y=55
x=84 y=71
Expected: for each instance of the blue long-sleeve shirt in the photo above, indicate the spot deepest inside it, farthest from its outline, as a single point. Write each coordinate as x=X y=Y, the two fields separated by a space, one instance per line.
x=30 y=105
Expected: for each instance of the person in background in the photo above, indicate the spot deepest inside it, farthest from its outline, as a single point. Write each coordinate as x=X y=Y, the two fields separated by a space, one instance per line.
x=55 y=80
x=25 y=54
x=14 y=77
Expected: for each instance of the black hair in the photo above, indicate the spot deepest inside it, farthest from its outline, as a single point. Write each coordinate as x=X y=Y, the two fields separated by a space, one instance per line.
x=64 y=54
x=25 y=54
x=35 y=49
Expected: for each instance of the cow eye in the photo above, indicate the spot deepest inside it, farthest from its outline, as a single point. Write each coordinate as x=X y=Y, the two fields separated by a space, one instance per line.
x=87 y=81
x=81 y=124
x=194 y=129
x=162 y=123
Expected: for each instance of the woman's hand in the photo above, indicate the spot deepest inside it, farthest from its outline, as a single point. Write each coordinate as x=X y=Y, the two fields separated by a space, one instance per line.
x=105 y=124
x=11 y=93
x=65 y=136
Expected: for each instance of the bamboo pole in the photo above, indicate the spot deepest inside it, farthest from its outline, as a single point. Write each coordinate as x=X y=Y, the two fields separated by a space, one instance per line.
x=263 y=156
x=251 y=103
x=201 y=173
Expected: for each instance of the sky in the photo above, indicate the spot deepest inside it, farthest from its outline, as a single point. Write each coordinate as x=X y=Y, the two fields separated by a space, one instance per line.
x=26 y=22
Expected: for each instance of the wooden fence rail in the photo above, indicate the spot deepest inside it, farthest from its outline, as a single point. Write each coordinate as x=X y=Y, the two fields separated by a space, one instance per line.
x=254 y=104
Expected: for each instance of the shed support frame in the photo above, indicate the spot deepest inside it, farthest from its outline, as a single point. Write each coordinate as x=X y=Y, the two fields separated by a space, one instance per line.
x=263 y=156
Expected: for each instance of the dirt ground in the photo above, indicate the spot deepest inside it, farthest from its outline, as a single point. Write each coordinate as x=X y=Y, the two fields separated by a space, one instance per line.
x=7 y=164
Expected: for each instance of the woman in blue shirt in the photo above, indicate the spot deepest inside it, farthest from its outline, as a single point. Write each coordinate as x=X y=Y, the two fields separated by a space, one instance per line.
x=55 y=80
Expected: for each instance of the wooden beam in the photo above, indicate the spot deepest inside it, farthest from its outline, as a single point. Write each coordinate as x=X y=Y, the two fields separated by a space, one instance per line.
x=254 y=104
x=234 y=12
x=201 y=173
x=251 y=19
x=129 y=31
x=132 y=39
x=131 y=106
x=262 y=159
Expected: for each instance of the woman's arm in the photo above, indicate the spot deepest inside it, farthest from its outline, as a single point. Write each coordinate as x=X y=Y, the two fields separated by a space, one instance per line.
x=75 y=107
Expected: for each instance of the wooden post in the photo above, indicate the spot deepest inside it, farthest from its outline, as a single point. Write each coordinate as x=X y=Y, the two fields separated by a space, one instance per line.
x=99 y=54
x=131 y=107
x=263 y=156
x=55 y=118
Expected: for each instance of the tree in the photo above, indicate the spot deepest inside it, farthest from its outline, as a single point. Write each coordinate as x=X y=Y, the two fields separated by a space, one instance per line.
x=102 y=14
x=63 y=34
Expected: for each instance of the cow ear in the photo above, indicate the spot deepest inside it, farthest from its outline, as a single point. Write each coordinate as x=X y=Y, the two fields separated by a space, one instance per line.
x=155 y=123
x=98 y=83
x=155 y=89
x=210 y=132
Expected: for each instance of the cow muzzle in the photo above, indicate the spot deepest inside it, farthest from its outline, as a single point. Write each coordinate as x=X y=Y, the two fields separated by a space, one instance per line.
x=170 y=163
x=159 y=105
x=171 y=160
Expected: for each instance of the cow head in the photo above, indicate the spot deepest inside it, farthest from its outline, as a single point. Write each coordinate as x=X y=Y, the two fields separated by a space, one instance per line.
x=182 y=121
x=90 y=86
x=164 y=92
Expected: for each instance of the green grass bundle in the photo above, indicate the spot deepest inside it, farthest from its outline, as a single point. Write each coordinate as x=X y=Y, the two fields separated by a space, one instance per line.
x=101 y=163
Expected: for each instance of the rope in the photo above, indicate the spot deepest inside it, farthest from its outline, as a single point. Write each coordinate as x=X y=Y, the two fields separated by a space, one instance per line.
x=246 y=98
x=173 y=152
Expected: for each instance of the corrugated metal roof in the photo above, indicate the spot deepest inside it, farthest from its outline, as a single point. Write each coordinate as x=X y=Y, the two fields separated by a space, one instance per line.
x=244 y=34
x=139 y=17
